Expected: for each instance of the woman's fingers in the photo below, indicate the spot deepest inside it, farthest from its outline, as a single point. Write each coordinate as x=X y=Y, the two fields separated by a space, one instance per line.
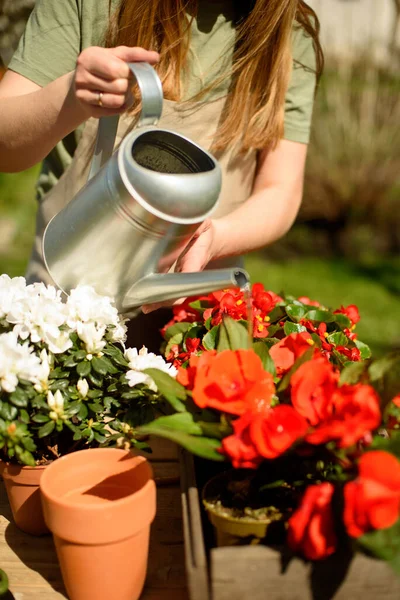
x=136 y=54
x=90 y=81
x=102 y=99
x=102 y=82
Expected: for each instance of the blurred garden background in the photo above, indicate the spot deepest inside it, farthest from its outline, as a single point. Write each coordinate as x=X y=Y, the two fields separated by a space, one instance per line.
x=345 y=245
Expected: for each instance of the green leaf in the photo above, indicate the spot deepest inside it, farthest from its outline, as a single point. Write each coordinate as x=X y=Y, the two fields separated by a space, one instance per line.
x=343 y=321
x=177 y=328
x=58 y=373
x=179 y=422
x=365 y=350
x=338 y=339
x=201 y=446
x=19 y=398
x=175 y=340
x=8 y=412
x=99 y=365
x=234 y=334
x=70 y=361
x=215 y=430
x=24 y=416
x=99 y=438
x=46 y=429
x=96 y=379
x=262 y=351
x=391 y=445
x=82 y=412
x=80 y=355
x=200 y=305
x=26 y=457
x=210 y=339
x=39 y=418
x=172 y=391
x=290 y=327
x=277 y=314
x=295 y=311
x=83 y=368
x=384 y=544
x=352 y=373
x=320 y=316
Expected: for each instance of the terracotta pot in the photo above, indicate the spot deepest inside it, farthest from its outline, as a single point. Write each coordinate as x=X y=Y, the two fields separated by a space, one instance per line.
x=99 y=504
x=231 y=530
x=22 y=486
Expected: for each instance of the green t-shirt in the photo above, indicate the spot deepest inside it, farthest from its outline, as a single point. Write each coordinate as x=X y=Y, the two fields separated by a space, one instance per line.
x=57 y=32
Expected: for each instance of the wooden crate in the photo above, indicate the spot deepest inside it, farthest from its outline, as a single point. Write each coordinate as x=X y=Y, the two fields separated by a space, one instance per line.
x=260 y=572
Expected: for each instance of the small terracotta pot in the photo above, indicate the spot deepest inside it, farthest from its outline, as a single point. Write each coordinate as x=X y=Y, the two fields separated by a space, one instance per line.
x=99 y=505
x=229 y=530
x=22 y=486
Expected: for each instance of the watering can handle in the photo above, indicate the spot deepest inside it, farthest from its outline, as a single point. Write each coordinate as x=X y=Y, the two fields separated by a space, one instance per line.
x=152 y=101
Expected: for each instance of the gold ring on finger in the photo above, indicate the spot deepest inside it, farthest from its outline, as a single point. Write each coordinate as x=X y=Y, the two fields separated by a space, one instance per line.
x=100 y=98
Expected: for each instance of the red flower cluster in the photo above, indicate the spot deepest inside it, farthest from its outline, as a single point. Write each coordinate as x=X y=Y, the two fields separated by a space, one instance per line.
x=372 y=501
x=311 y=527
x=343 y=414
x=235 y=383
x=233 y=303
x=177 y=356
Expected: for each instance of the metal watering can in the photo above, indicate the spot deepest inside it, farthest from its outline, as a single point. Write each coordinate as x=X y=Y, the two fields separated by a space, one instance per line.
x=137 y=213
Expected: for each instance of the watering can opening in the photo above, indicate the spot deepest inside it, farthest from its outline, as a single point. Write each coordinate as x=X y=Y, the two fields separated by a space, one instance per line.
x=165 y=152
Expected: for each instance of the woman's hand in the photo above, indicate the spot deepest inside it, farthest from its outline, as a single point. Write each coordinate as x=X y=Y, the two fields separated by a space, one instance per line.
x=201 y=249
x=101 y=83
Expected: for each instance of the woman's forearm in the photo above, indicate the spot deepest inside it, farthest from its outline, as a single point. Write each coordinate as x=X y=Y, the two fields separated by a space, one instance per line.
x=32 y=124
x=266 y=216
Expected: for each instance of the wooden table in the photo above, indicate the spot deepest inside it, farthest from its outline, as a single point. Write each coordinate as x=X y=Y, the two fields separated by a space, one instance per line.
x=31 y=562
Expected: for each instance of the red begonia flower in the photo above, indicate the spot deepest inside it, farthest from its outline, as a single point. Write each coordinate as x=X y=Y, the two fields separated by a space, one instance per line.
x=287 y=351
x=232 y=382
x=356 y=412
x=311 y=527
x=312 y=389
x=372 y=501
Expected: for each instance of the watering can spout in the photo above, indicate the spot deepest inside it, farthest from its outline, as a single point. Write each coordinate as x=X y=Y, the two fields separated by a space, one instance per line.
x=169 y=286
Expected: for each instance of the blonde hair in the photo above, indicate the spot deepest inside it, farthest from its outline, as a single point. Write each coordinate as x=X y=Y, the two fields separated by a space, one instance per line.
x=262 y=59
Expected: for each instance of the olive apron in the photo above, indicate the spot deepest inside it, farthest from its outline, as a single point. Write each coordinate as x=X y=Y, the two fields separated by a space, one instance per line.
x=197 y=121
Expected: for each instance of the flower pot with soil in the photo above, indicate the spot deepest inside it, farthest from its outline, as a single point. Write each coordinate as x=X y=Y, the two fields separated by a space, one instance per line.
x=99 y=505
x=241 y=513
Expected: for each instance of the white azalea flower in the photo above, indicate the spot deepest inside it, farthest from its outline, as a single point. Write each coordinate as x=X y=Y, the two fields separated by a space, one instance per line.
x=38 y=315
x=56 y=403
x=117 y=333
x=44 y=371
x=83 y=387
x=92 y=336
x=139 y=361
x=136 y=377
x=17 y=361
x=85 y=305
x=10 y=291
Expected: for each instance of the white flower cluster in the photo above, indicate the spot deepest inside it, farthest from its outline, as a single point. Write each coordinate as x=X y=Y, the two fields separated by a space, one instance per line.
x=17 y=361
x=142 y=360
x=37 y=312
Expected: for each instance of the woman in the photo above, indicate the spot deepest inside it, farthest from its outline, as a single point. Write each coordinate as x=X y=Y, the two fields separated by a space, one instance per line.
x=238 y=77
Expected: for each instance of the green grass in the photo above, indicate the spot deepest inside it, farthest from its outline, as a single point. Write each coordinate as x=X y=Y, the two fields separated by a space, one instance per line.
x=17 y=221
x=333 y=283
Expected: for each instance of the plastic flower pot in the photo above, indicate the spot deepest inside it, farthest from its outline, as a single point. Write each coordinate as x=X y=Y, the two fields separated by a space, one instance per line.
x=236 y=527
x=22 y=486
x=99 y=505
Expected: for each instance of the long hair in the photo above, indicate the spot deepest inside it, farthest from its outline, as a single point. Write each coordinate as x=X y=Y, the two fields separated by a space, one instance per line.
x=262 y=59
